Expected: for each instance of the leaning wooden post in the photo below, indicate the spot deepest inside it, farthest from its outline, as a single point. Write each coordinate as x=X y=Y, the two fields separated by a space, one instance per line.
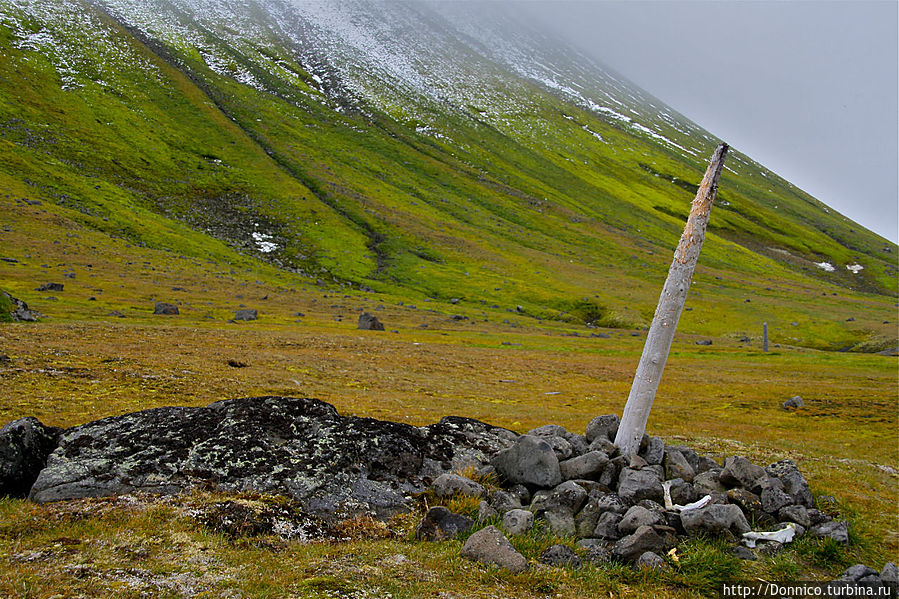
x=671 y=303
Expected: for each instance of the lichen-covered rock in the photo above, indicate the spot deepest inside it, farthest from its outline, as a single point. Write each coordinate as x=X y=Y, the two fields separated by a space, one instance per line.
x=638 y=516
x=795 y=513
x=440 y=524
x=530 y=461
x=489 y=546
x=836 y=530
x=654 y=452
x=518 y=522
x=246 y=314
x=607 y=526
x=774 y=498
x=560 y=556
x=676 y=466
x=165 y=309
x=302 y=448
x=568 y=495
x=25 y=445
x=708 y=482
x=369 y=322
x=561 y=521
x=651 y=561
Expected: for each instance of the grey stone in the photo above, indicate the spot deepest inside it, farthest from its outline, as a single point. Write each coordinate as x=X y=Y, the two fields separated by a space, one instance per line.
x=602 y=444
x=561 y=447
x=633 y=546
x=889 y=575
x=25 y=445
x=607 y=526
x=596 y=551
x=744 y=553
x=332 y=465
x=738 y=471
x=20 y=311
x=638 y=516
x=579 y=445
x=793 y=403
x=773 y=499
x=609 y=476
x=586 y=519
x=836 y=530
x=165 y=308
x=611 y=502
x=817 y=517
x=569 y=495
x=795 y=513
x=489 y=546
x=605 y=427
x=715 y=519
x=448 y=484
x=705 y=464
x=794 y=483
x=654 y=452
x=440 y=524
x=676 y=466
x=522 y=492
x=560 y=556
x=587 y=465
x=857 y=572
x=650 y=561
x=51 y=287
x=486 y=512
x=503 y=501
x=530 y=461
x=692 y=457
x=517 y=522
x=634 y=485
x=635 y=462
x=708 y=482
x=369 y=322
x=561 y=521
x=682 y=492
x=246 y=314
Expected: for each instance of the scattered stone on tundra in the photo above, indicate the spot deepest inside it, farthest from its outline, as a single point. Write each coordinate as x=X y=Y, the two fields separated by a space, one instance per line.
x=740 y=472
x=793 y=403
x=246 y=314
x=25 y=445
x=449 y=484
x=634 y=485
x=605 y=427
x=634 y=545
x=638 y=516
x=301 y=448
x=586 y=466
x=651 y=561
x=517 y=522
x=715 y=520
x=530 y=461
x=369 y=322
x=560 y=556
x=677 y=466
x=165 y=309
x=51 y=287
x=489 y=546
x=440 y=524
x=836 y=530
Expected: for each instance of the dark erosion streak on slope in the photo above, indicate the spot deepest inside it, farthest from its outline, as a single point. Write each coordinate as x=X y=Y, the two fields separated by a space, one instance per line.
x=376 y=239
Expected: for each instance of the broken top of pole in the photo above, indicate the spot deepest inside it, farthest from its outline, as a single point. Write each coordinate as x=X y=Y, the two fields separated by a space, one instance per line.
x=671 y=303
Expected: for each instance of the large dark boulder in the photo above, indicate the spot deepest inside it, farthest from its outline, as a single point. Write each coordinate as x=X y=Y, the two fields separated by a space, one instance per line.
x=530 y=461
x=369 y=322
x=302 y=448
x=25 y=445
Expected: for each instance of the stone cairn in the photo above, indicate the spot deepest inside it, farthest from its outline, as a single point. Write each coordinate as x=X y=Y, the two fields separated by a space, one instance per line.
x=627 y=508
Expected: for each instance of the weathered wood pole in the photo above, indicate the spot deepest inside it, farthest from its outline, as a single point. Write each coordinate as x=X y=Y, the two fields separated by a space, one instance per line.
x=671 y=303
x=765 y=336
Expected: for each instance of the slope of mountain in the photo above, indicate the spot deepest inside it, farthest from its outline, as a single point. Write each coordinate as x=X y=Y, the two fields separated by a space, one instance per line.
x=412 y=149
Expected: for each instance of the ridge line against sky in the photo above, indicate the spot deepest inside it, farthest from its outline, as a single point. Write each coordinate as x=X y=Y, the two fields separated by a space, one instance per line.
x=809 y=89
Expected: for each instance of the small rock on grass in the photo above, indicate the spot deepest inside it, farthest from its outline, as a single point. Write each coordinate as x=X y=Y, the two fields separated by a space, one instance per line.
x=560 y=556
x=439 y=524
x=650 y=561
x=489 y=546
x=165 y=309
x=517 y=522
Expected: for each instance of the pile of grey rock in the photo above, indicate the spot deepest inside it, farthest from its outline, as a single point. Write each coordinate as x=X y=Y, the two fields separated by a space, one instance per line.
x=633 y=508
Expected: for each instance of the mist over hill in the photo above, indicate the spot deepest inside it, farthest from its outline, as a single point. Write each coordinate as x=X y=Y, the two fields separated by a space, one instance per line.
x=422 y=150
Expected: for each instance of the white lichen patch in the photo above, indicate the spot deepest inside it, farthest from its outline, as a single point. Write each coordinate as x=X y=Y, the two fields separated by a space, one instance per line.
x=264 y=243
x=825 y=266
x=854 y=268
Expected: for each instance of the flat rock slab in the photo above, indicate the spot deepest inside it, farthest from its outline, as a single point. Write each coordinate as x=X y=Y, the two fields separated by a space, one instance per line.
x=332 y=464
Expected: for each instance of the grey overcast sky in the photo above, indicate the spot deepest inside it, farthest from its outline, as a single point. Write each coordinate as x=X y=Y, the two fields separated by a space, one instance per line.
x=808 y=88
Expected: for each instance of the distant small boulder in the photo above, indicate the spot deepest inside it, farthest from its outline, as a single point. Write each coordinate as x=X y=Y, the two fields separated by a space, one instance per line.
x=704 y=342
x=793 y=403
x=16 y=310
x=369 y=322
x=50 y=287
x=165 y=309
x=246 y=314
x=237 y=364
